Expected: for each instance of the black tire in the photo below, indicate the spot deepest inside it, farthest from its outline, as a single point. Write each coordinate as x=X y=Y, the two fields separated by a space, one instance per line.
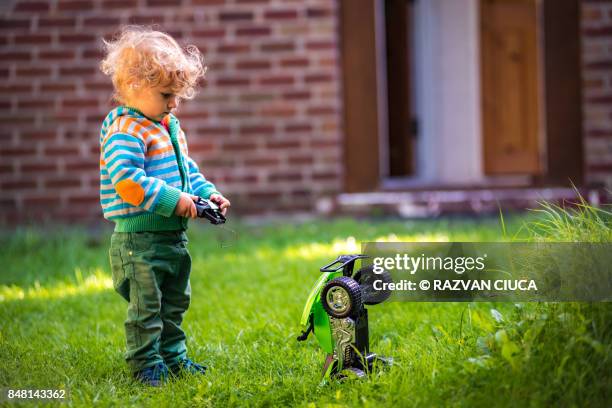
x=366 y=277
x=344 y=297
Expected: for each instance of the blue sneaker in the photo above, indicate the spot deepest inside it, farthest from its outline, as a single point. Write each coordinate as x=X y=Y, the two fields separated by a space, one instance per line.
x=186 y=366
x=155 y=376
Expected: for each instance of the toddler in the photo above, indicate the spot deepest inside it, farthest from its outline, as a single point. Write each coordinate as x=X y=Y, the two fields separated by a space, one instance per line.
x=148 y=185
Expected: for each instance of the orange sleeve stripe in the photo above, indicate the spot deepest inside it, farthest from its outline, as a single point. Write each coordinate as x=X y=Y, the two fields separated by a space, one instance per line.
x=159 y=151
x=122 y=126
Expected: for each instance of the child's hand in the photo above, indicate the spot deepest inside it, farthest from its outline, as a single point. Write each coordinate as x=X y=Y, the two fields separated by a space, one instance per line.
x=221 y=201
x=186 y=206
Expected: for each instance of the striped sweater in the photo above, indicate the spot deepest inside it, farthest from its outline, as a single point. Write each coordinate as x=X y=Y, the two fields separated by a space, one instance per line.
x=144 y=166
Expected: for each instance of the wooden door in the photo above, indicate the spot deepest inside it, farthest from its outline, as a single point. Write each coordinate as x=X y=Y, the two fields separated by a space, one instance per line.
x=510 y=97
x=359 y=70
x=401 y=137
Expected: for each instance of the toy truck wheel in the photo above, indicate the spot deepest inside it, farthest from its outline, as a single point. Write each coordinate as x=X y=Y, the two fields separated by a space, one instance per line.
x=366 y=278
x=341 y=297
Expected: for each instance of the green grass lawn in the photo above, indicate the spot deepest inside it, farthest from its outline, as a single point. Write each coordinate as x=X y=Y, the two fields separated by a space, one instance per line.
x=61 y=326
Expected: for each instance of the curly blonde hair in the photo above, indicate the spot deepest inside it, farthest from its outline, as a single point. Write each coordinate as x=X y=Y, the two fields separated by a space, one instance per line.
x=142 y=57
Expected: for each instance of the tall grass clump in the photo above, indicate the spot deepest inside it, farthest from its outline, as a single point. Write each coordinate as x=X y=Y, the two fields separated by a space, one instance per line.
x=545 y=354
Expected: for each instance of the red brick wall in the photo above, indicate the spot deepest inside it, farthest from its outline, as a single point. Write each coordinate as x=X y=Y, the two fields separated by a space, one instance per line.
x=265 y=128
x=597 y=91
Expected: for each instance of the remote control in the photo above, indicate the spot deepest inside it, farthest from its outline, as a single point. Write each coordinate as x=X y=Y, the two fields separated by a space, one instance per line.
x=209 y=210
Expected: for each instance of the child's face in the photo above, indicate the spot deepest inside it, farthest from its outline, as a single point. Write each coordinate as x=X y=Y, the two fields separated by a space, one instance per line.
x=155 y=102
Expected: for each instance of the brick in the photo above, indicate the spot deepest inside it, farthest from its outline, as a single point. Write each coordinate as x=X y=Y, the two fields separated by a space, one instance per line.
x=88 y=199
x=59 y=150
x=8 y=205
x=301 y=159
x=232 y=81
x=256 y=130
x=262 y=161
x=209 y=33
x=233 y=48
x=597 y=31
x=92 y=165
x=13 y=24
x=296 y=95
x=281 y=14
x=605 y=167
x=590 y=14
x=214 y=130
x=98 y=86
x=253 y=64
x=53 y=22
x=33 y=39
x=18 y=185
x=278 y=111
x=17 y=151
x=35 y=104
x=320 y=45
x=101 y=21
x=152 y=19
x=15 y=56
x=93 y=53
x=256 y=96
x=600 y=133
x=323 y=144
x=25 y=119
x=295 y=62
x=235 y=16
x=79 y=103
x=163 y=3
x=318 y=12
x=235 y=113
x=37 y=136
x=77 y=71
x=326 y=175
x=600 y=100
x=288 y=176
x=283 y=144
x=321 y=110
x=200 y=147
x=242 y=178
x=318 y=78
x=298 y=128
x=32 y=6
x=61 y=182
x=75 y=5
x=77 y=38
x=38 y=168
x=207 y=2
x=237 y=146
x=253 y=31
x=74 y=135
x=118 y=4
x=277 y=80
x=278 y=46
x=594 y=83
x=599 y=65
x=56 y=55
x=6 y=168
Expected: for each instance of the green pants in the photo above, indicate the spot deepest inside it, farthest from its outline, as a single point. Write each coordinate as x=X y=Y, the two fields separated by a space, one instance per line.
x=151 y=271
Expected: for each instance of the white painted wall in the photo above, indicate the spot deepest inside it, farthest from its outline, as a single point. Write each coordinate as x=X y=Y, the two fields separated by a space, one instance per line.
x=447 y=77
